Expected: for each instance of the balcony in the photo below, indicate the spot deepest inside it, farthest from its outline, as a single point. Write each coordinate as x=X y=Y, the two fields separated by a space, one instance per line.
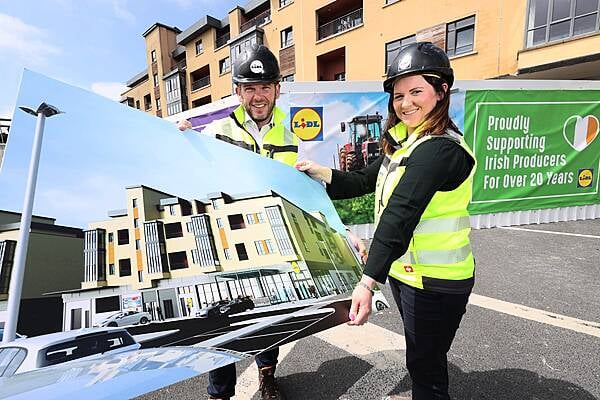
x=341 y=24
x=259 y=20
x=222 y=40
x=201 y=83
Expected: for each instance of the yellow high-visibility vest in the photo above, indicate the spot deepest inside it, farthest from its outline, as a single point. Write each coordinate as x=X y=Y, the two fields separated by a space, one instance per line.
x=279 y=143
x=439 y=253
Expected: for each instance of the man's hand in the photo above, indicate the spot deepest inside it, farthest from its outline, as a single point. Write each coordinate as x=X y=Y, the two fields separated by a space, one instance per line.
x=184 y=124
x=359 y=245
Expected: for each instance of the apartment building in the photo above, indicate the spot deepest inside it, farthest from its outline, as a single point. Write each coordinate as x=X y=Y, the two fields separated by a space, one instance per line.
x=54 y=260
x=324 y=40
x=4 y=128
x=180 y=255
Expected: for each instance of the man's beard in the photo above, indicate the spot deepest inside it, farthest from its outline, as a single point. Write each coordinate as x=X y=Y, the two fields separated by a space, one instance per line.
x=265 y=118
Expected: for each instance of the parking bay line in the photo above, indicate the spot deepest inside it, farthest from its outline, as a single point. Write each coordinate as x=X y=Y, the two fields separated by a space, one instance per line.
x=534 y=314
x=512 y=228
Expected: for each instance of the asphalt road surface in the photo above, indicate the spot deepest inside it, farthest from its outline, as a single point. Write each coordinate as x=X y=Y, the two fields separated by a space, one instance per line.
x=531 y=331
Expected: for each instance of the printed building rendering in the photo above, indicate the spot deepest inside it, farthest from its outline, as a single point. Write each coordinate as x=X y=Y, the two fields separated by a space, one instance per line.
x=171 y=256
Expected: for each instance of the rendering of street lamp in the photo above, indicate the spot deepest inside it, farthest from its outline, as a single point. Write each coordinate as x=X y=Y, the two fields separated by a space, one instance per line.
x=16 y=281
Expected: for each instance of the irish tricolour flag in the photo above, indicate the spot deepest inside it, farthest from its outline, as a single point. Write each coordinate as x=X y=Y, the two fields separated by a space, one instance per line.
x=580 y=131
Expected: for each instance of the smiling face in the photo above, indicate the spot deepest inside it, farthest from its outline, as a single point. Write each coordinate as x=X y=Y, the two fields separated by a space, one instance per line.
x=258 y=99
x=413 y=99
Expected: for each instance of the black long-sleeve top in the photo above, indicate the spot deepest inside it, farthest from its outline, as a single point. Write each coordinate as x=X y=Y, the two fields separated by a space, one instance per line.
x=438 y=164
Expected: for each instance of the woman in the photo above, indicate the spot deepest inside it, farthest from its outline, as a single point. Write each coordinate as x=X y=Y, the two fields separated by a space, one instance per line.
x=422 y=185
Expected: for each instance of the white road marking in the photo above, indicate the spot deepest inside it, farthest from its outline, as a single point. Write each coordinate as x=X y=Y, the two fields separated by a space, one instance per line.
x=534 y=314
x=363 y=340
x=512 y=228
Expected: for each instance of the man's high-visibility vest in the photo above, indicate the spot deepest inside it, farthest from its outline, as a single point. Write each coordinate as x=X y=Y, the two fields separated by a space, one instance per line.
x=439 y=253
x=279 y=143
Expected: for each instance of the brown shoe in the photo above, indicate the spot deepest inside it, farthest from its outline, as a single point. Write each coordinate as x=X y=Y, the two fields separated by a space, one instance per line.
x=267 y=384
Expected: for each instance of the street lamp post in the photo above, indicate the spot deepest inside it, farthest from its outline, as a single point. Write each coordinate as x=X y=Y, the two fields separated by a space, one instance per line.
x=16 y=281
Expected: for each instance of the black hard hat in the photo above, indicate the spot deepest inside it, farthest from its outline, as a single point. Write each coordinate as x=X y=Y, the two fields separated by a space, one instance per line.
x=256 y=65
x=418 y=58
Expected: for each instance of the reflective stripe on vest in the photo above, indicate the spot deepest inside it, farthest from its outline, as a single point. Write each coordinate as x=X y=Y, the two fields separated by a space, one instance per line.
x=439 y=247
x=279 y=143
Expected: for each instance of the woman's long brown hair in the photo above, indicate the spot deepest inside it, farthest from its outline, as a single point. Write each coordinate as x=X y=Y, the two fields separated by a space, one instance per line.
x=436 y=122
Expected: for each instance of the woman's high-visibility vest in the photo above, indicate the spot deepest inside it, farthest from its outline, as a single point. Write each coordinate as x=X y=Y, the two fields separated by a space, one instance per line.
x=279 y=143
x=439 y=253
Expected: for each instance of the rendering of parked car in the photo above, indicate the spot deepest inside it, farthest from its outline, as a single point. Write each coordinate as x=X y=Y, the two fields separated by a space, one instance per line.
x=226 y=307
x=127 y=318
x=42 y=351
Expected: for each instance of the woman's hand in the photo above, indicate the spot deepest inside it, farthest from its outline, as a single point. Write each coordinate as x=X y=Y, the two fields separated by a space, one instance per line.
x=314 y=170
x=359 y=245
x=184 y=124
x=361 y=301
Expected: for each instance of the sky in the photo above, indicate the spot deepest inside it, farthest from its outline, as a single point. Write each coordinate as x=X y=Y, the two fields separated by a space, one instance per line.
x=93 y=44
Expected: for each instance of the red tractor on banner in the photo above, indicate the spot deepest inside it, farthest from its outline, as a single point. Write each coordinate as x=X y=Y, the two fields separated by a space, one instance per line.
x=362 y=147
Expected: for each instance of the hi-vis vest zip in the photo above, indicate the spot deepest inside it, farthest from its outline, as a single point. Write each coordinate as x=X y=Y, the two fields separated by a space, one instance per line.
x=279 y=143
x=439 y=253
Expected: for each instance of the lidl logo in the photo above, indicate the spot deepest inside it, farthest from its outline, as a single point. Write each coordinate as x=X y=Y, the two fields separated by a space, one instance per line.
x=580 y=132
x=585 y=177
x=307 y=123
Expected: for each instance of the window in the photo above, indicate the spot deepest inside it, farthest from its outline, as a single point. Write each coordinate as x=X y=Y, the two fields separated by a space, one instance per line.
x=219 y=223
x=123 y=236
x=227 y=254
x=287 y=37
x=110 y=237
x=147 y=102
x=157 y=104
x=140 y=276
x=137 y=104
x=136 y=222
x=236 y=221
x=393 y=48
x=195 y=256
x=288 y=78
x=155 y=80
x=224 y=66
x=339 y=76
x=107 y=304
x=134 y=202
x=125 y=267
x=264 y=247
x=111 y=269
x=283 y=3
x=173 y=230
x=215 y=204
x=460 y=36
x=199 y=47
x=550 y=20
x=153 y=53
x=255 y=218
x=137 y=244
x=178 y=260
x=172 y=210
x=188 y=227
x=241 y=250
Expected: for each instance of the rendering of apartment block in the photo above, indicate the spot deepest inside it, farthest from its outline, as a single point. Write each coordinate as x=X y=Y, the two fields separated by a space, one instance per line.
x=518 y=39
x=180 y=255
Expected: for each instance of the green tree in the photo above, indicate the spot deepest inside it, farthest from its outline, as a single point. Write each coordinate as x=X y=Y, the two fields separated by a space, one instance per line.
x=356 y=211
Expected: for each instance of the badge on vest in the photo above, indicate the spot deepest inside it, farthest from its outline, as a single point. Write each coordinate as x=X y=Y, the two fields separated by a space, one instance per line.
x=409 y=268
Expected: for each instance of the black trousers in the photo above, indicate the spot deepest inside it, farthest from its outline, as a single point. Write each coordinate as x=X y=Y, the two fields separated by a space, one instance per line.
x=430 y=323
x=221 y=381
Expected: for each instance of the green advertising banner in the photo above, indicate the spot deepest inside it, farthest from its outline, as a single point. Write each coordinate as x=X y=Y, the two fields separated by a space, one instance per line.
x=535 y=148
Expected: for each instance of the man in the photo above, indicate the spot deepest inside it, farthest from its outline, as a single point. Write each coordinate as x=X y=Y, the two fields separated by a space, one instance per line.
x=256 y=125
